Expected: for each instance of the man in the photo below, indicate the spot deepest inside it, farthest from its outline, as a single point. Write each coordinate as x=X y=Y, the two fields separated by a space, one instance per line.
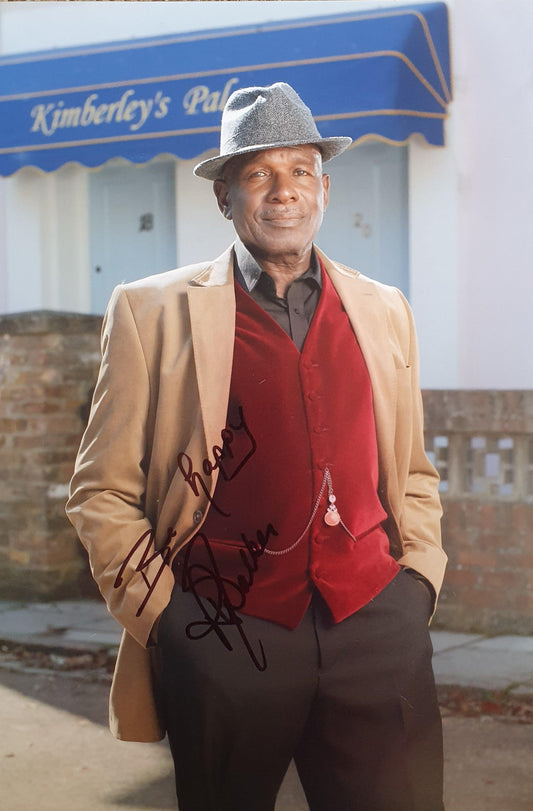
x=259 y=512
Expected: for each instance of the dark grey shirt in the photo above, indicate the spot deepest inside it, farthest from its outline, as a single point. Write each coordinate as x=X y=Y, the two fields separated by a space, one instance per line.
x=295 y=311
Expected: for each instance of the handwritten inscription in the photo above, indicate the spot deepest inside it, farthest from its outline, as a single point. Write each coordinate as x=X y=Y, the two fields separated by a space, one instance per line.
x=165 y=553
x=229 y=595
x=238 y=446
x=229 y=458
x=219 y=611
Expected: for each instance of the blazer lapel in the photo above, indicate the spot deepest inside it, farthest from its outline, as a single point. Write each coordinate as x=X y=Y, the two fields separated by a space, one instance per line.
x=370 y=323
x=212 y=311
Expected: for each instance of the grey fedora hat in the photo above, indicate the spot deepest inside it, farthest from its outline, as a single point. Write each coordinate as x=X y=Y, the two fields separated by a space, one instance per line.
x=257 y=118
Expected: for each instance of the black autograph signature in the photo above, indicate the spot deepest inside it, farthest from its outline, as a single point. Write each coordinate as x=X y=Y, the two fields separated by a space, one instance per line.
x=221 y=611
x=225 y=459
x=165 y=552
x=238 y=446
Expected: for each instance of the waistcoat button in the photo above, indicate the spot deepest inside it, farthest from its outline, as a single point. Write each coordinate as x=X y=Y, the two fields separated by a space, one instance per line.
x=197 y=516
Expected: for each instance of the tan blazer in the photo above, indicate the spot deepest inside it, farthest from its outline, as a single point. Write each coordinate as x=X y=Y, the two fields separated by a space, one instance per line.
x=163 y=388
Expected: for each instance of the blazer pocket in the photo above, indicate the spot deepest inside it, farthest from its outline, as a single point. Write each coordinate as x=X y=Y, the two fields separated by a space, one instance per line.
x=403 y=377
x=401 y=367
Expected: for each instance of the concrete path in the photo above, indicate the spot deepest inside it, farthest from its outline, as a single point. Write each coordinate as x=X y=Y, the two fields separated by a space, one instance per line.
x=58 y=755
x=464 y=660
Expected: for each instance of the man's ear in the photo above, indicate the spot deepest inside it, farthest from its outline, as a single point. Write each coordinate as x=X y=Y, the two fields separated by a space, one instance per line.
x=220 y=188
x=325 y=186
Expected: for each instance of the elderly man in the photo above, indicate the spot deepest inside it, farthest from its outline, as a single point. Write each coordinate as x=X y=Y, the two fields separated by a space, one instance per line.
x=258 y=509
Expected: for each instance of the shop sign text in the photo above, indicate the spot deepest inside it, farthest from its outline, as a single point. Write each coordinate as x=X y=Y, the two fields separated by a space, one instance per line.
x=200 y=99
x=47 y=118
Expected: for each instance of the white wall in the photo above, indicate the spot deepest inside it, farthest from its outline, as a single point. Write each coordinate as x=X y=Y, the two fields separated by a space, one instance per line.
x=24 y=200
x=471 y=203
x=495 y=39
x=434 y=261
x=195 y=241
x=46 y=246
x=3 y=250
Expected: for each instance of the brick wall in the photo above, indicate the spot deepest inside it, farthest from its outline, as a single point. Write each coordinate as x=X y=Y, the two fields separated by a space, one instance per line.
x=481 y=442
x=48 y=363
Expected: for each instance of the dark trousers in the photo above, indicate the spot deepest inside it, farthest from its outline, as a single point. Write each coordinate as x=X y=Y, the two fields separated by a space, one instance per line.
x=353 y=703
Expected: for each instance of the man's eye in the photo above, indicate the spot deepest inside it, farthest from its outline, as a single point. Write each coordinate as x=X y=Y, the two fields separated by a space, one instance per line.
x=301 y=172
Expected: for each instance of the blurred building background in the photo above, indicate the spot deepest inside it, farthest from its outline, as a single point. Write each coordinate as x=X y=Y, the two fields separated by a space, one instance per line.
x=104 y=110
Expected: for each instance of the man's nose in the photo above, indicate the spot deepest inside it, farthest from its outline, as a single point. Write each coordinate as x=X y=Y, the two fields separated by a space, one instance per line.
x=283 y=188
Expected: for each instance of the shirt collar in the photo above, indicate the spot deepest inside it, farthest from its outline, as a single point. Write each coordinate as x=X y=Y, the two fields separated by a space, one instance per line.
x=251 y=270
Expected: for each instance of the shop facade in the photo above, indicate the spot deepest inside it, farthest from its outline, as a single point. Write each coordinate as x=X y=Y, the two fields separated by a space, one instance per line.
x=102 y=139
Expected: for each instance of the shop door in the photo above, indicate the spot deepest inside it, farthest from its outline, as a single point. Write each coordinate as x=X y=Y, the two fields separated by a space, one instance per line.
x=132 y=226
x=366 y=224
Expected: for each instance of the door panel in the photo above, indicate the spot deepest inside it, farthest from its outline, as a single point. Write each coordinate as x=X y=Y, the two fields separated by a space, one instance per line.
x=133 y=226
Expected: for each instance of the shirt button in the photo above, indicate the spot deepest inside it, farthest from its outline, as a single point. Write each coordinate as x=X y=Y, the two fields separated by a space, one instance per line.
x=197 y=516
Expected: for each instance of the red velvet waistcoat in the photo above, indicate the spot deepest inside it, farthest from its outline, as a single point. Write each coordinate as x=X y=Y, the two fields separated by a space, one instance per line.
x=291 y=416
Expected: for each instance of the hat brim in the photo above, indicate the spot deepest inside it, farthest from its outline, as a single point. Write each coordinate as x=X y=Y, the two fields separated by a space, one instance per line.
x=329 y=147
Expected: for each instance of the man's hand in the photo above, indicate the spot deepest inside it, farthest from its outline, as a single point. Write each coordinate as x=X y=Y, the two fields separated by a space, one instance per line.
x=425 y=582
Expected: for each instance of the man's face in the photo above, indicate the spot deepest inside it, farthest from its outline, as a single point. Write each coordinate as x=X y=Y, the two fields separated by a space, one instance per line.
x=276 y=199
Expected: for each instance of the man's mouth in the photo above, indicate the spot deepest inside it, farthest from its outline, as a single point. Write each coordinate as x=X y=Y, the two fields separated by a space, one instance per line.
x=282 y=216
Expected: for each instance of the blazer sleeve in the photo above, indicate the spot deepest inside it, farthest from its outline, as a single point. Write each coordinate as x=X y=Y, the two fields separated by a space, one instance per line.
x=107 y=491
x=421 y=511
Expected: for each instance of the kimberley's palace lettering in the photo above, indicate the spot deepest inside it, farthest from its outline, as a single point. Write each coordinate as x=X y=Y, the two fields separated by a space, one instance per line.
x=47 y=118
x=128 y=108
x=202 y=99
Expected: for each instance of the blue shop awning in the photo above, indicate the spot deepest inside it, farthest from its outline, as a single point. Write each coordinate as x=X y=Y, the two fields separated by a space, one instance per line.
x=383 y=74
